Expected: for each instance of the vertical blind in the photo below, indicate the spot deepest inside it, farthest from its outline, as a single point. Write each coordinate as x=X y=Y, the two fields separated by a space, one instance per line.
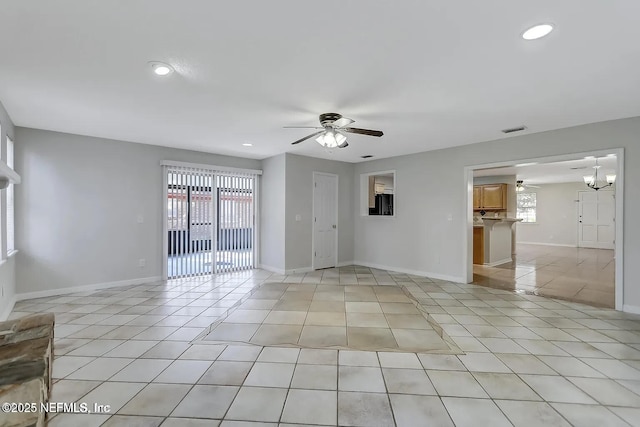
x=210 y=223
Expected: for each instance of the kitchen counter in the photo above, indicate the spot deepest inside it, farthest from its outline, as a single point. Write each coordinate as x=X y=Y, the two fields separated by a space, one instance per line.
x=497 y=240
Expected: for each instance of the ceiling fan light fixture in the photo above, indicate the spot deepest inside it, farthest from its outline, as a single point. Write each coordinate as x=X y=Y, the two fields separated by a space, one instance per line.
x=331 y=139
x=611 y=179
x=537 y=31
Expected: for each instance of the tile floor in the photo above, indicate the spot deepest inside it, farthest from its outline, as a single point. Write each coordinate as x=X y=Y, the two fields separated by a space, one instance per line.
x=527 y=360
x=572 y=274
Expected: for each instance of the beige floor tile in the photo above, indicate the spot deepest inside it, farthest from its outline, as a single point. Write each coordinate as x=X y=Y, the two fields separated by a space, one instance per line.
x=133 y=421
x=363 y=307
x=156 y=399
x=78 y=420
x=407 y=321
x=270 y=375
x=279 y=354
x=525 y=364
x=323 y=336
x=166 y=350
x=241 y=353
x=441 y=362
x=277 y=335
x=399 y=360
x=371 y=338
x=65 y=365
x=310 y=407
x=531 y=414
x=114 y=394
x=203 y=352
x=364 y=409
x=589 y=415
x=333 y=306
x=142 y=370
x=606 y=392
x=258 y=404
x=358 y=358
x=315 y=377
x=455 y=383
x=71 y=390
x=100 y=369
x=418 y=340
x=233 y=332
x=318 y=356
x=131 y=349
x=408 y=409
x=407 y=381
x=206 y=401
x=286 y=318
x=359 y=378
x=505 y=386
x=467 y=412
x=224 y=372
x=292 y=305
x=183 y=372
x=556 y=389
x=325 y=318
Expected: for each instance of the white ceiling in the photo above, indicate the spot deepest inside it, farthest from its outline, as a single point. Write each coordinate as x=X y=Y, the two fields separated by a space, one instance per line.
x=552 y=173
x=430 y=74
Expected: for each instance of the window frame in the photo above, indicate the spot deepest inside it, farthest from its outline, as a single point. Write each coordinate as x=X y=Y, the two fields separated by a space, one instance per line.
x=519 y=208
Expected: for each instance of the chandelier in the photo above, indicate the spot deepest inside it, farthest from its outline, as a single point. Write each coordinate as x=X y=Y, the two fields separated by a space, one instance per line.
x=592 y=180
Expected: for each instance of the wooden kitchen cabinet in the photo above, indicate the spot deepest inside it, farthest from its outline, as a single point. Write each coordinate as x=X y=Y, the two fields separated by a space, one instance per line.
x=490 y=197
x=478 y=245
x=477 y=197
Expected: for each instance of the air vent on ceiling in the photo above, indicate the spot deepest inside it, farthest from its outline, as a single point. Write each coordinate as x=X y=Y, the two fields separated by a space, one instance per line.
x=576 y=168
x=516 y=129
x=368 y=156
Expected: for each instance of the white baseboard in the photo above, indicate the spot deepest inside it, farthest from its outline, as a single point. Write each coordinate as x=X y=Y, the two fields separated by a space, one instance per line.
x=272 y=269
x=8 y=307
x=499 y=262
x=457 y=279
x=84 y=288
x=345 y=263
x=633 y=309
x=299 y=270
x=546 y=244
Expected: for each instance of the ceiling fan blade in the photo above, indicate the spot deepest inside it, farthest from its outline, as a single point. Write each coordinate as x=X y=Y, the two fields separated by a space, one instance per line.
x=363 y=131
x=343 y=121
x=307 y=137
x=302 y=127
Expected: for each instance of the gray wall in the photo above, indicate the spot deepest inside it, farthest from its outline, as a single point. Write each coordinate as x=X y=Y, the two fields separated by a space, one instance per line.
x=427 y=233
x=556 y=215
x=272 y=213
x=78 y=205
x=299 y=201
x=7 y=270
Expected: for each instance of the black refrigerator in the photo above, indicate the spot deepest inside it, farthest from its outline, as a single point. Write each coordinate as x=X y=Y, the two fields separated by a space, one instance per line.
x=384 y=205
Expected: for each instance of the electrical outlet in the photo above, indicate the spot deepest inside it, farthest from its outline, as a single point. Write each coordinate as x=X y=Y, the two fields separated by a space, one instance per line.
x=142 y=262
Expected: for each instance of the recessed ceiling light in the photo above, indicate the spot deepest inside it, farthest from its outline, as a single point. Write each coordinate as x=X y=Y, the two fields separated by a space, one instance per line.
x=537 y=31
x=160 y=68
x=246 y=144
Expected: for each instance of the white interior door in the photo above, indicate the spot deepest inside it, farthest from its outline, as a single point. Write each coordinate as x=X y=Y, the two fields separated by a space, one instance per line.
x=596 y=216
x=325 y=220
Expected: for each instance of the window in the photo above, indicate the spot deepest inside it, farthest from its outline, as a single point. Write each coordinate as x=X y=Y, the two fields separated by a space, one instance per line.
x=377 y=193
x=526 y=209
x=10 y=209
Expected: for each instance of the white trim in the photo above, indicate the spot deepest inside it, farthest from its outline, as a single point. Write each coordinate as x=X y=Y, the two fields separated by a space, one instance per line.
x=165 y=225
x=280 y=271
x=499 y=262
x=467 y=249
x=8 y=308
x=634 y=309
x=299 y=270
x=345 y=263
x=210 y=167
x=456 y=279
x=546 y=244
x=84 y=288
x=313 y=214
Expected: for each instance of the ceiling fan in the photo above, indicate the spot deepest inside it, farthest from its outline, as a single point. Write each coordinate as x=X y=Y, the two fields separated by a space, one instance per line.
x=333 y=125
x=521 y=186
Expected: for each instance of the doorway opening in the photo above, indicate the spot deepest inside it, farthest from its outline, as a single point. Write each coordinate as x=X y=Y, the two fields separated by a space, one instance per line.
x=210 y=221
x=548 y=233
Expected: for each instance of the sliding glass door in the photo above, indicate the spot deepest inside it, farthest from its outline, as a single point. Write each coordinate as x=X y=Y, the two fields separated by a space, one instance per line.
x=210 y=222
